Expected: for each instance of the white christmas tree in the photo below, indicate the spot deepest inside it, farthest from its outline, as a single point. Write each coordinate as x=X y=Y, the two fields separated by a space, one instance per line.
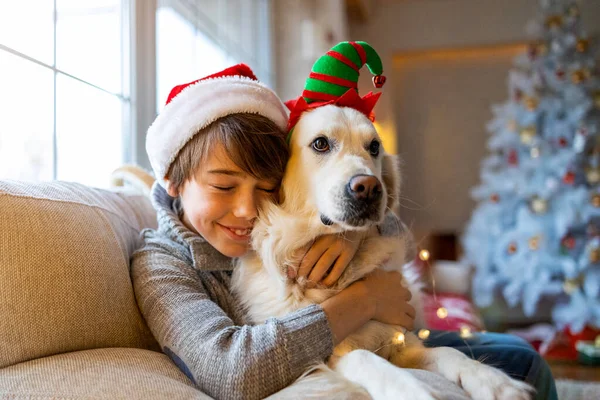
x=536 y=230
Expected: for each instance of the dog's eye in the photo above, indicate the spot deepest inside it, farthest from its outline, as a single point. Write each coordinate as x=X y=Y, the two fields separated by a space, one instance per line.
x=374 y=148
x=320 y=144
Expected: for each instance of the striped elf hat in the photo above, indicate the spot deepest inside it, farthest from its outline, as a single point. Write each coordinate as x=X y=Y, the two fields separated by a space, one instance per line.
x=334 y=80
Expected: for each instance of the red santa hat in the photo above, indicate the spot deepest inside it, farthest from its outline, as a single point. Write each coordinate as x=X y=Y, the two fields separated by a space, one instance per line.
x=193 y=106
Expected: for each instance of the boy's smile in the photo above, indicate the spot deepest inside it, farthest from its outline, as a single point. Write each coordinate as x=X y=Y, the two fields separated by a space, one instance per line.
x=238 y=233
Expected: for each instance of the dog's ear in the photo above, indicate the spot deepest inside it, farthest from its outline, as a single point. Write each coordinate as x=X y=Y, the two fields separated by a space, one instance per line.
x=390 y=173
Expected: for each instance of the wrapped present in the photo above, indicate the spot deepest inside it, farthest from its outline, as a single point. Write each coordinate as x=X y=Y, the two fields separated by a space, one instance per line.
x=588 y=351
x=556 y=344
x=451 y=312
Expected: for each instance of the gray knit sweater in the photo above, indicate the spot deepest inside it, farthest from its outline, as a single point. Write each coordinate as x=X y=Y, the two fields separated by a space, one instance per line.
x=182 y=287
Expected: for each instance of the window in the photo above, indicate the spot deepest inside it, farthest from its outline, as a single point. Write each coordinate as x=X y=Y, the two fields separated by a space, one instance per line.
x=81 y=81
x=64 y=91
x=195 y=39
x=183 y=53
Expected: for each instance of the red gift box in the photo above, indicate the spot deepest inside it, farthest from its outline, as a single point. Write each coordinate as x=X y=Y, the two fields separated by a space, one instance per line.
x=554 y=344
x=563 y=347
x=461 y=313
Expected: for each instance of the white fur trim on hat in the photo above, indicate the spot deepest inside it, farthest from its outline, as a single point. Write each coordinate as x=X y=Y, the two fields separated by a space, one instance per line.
x=199 y=105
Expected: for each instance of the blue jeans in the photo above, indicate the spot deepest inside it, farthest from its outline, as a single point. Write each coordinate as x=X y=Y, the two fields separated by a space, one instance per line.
x=509 y=353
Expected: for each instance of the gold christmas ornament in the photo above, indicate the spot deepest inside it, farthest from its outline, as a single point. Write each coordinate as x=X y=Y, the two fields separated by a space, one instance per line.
x=579 y=75
x=538 y=205
x=582 y=45
x=592 y=175
x=595 y=255
x=527 y=134
x=424 y=255
x=534 y=243
x=531 y=103
x=596 y=200
x=570 y=285
x=554 y=21
x=512 y=248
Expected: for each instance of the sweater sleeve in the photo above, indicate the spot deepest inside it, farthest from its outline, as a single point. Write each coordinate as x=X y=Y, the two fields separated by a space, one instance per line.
x=225 y=361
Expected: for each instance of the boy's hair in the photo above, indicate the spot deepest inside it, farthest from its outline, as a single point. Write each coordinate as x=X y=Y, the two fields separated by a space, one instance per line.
x=254 y=143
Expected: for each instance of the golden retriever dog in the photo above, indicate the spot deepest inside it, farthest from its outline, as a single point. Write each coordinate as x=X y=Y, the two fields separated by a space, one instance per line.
x=339 y=179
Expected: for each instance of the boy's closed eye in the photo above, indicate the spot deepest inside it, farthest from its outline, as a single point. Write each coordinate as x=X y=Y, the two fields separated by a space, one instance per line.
x=229 y=188
x=223 y=188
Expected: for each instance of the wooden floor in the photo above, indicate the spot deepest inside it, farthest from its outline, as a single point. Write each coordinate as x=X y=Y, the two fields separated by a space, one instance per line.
x=575 y=371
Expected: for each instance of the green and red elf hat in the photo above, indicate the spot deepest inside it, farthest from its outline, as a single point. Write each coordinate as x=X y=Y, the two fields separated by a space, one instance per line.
x=334 y=80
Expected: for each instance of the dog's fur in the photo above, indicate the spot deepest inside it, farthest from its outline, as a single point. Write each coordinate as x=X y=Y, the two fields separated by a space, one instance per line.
x=315 y=185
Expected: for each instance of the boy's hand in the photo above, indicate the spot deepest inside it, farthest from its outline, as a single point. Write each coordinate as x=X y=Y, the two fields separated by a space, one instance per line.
x=327 y=257
x=389 y=298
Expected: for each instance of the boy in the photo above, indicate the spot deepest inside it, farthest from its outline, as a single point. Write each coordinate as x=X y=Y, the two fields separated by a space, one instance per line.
x=218 y=150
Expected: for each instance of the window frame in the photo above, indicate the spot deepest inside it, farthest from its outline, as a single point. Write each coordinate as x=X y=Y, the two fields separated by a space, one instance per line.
x=139 y=71
x=124 y=97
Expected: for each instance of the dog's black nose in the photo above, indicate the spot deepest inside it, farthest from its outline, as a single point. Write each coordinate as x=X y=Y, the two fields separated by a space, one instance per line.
x=364 y=187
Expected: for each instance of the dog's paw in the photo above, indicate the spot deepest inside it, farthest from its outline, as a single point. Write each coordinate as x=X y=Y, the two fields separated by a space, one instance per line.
x=483 y=382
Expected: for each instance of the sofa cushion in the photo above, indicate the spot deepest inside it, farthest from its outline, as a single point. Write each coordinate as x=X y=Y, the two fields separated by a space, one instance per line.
x=98 y=374
x=64 y=269
x=142 y=374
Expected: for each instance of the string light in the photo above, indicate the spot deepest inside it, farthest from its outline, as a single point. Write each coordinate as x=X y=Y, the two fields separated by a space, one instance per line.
x=465 y=332
x=442 y=313
x=399 y=339
x=424 y=334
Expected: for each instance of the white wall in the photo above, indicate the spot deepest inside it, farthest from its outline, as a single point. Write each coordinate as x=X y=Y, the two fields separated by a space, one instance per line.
x=303 y=31
x=441 y=166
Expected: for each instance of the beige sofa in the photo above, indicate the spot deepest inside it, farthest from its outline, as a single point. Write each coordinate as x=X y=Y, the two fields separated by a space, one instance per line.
x=69 y=324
